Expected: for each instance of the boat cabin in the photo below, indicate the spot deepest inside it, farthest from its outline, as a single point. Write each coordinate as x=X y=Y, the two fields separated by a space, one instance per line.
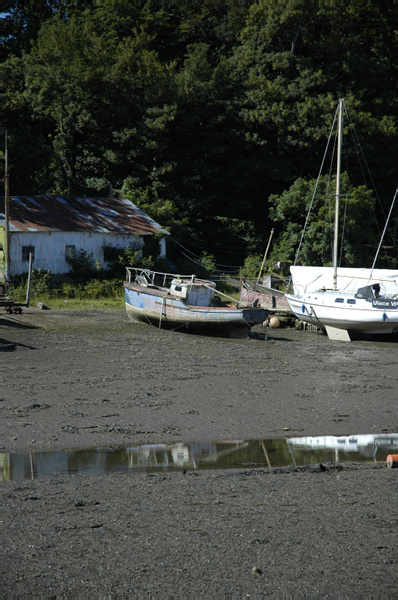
x=194 y=292
x=369 y=292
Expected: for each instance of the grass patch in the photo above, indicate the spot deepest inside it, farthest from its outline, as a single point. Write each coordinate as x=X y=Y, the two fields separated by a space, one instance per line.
x=79 y=303
x=45 y=288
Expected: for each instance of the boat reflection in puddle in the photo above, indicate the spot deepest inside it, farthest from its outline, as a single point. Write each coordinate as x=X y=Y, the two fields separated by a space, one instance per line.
x=366 y=446
x=148 y=458
x=195 y=455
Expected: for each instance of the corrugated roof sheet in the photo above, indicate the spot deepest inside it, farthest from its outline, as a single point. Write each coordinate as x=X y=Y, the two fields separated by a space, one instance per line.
x=72 y=213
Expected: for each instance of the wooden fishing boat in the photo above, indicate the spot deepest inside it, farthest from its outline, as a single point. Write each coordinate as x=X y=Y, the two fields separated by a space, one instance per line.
x=266 y=296
x=187 y=303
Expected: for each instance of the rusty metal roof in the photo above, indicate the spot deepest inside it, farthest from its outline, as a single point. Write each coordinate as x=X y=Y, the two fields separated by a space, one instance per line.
x=73 y=213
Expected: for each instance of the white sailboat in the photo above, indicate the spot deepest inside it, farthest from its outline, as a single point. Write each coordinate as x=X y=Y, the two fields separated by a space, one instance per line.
x=364 y=300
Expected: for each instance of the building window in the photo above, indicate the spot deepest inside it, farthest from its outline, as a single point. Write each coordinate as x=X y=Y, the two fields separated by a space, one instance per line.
x=111 y=253
x=70 y=251
x=26 y=250
x=108 y=254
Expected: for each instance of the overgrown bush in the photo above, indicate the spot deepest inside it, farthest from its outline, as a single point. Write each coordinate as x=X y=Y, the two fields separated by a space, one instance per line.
x=41 y=281
x=130 y=256
x=251 y=266
x=67 y=290
x=208 y=263
x=95 y=289
x=83 y=266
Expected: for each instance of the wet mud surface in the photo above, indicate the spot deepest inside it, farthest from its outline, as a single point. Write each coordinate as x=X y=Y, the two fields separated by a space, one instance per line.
x=90 y=379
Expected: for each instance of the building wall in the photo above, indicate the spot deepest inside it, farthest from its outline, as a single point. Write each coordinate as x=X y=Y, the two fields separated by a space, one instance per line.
x=50 y=248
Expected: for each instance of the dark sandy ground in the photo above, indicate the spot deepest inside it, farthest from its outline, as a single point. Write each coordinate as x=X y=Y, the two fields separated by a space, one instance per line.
x=90 y=379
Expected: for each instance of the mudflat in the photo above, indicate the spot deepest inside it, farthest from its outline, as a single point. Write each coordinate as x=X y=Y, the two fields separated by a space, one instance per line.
x=78 y=379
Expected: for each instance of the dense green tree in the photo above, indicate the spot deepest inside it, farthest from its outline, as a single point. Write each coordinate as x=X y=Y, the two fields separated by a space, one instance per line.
x=21 y=23
x=358 y=234
x=199 y=113
x=88 y=90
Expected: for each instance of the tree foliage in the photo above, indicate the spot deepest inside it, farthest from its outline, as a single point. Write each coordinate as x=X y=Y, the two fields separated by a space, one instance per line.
x=292 y=207
x=200 y=114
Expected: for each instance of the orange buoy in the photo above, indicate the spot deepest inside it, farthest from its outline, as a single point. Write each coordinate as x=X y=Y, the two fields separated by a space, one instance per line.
x=274 y=322
x=392 y=461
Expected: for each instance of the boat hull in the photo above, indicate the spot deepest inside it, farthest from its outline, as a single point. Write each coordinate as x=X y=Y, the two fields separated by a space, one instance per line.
x=321 y=309
x=166 y=311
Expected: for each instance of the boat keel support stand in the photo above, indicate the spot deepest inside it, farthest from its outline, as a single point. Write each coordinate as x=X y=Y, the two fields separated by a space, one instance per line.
x=334 y=333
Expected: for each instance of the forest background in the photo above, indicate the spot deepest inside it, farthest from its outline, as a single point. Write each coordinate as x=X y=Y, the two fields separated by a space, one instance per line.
x=212 y=118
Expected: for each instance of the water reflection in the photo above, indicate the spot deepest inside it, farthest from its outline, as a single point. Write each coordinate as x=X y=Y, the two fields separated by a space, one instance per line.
x=279 y=452
x=365 y=445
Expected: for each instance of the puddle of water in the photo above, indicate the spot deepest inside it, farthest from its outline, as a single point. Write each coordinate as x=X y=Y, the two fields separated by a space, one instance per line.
x=148 y=458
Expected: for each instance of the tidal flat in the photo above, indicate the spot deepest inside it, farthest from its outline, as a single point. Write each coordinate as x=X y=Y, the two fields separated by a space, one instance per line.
x=91 y=379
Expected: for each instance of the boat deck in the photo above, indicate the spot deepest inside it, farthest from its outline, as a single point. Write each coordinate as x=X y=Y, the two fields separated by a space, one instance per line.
x=150 y=289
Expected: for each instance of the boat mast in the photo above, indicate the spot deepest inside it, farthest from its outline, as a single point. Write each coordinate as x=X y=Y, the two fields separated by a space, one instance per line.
x=336 y=215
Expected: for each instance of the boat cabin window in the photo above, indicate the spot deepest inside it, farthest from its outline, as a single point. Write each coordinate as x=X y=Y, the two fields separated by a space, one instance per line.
x=341 y=300
x=351 y=301
x=178 y=288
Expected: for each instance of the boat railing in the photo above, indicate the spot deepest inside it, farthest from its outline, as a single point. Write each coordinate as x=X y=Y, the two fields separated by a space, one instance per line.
x=146 y=275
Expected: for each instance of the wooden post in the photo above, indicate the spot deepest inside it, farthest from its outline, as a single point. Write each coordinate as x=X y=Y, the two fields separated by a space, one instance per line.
x=29 y=277
x=265 y=255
